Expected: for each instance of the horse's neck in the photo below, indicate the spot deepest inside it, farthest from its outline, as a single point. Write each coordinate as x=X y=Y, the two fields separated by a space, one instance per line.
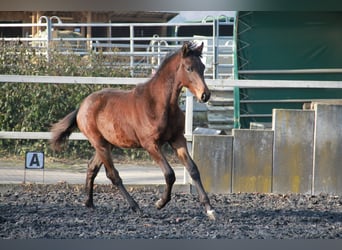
x=164 y=86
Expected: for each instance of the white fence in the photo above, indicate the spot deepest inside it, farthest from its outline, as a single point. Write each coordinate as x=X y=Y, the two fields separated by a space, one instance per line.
x=79 y=80
x=133 y=81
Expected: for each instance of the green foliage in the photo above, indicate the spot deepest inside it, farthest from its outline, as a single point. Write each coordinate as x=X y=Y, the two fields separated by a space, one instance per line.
x=34 y=107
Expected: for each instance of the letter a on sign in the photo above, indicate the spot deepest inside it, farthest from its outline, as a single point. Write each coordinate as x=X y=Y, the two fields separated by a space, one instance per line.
x=34 y=160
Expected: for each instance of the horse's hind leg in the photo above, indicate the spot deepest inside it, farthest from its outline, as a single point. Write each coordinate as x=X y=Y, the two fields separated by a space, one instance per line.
x=94 y=166
x=104 y=153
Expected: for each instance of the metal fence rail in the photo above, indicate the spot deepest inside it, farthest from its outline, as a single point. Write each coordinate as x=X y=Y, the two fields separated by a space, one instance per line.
x=36 y=135
x=82 y=80
x=133 y=81
x=144 y=51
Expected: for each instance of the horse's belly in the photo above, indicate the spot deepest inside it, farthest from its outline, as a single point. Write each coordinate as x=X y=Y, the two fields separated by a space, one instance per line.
x=121 y=137
x=125 y=142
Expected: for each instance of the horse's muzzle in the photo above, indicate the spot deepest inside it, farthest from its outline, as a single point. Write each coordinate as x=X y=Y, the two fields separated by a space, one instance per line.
x=205 y=96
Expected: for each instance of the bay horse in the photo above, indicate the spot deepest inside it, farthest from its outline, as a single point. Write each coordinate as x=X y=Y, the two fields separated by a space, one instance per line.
x=148 y=116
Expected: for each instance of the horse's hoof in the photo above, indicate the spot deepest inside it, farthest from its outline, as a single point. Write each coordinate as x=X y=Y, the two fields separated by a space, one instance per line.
x=136 y=209
x=160 y=204
x=89 y=205
x=211 y=214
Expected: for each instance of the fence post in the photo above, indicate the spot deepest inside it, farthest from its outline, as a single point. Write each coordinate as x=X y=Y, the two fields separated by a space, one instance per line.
x=131 y=48
x=48 y=34
x=215 y=48
x=237 y=107
x=189 y=104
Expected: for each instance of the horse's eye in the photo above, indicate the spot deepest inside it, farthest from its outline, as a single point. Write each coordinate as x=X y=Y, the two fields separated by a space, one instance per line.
x=189 y=69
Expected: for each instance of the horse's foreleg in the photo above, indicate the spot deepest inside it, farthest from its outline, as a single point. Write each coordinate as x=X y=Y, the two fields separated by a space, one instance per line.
x=94 y=166
x=169 y=174
x=181 y=151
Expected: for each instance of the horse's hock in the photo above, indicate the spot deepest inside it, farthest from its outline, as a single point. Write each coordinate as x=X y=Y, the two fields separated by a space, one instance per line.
x=302 y=153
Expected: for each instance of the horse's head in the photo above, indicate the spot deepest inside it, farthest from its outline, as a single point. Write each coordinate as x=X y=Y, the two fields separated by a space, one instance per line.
x=190 y=72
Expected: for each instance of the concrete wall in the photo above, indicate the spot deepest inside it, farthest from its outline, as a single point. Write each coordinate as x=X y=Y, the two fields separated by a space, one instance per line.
x=301 y=154
x=213 y=156
x=328 y=149
x=293 y=150
x=252 y=158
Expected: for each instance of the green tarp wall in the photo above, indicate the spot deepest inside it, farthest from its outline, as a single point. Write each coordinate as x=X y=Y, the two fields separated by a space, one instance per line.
x=287 y=41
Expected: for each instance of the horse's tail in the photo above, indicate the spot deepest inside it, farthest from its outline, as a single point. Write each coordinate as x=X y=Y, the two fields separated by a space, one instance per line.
x=62 y=130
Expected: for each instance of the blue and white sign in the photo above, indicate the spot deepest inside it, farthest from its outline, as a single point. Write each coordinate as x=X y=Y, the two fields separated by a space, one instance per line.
x=34 y=160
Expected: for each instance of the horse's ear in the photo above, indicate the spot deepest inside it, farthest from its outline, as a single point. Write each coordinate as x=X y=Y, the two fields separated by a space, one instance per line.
x=185 y=49
x=200 y=48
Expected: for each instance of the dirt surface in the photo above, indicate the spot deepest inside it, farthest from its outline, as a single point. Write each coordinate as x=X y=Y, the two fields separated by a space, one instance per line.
x=57 y=212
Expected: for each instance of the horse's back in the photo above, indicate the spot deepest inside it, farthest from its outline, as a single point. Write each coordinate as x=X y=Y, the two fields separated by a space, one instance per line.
x=106 y=114
x=128 y=118
x=103 y=97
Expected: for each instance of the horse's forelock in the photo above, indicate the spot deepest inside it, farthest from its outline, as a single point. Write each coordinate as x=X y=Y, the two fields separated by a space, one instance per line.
x=192 y=49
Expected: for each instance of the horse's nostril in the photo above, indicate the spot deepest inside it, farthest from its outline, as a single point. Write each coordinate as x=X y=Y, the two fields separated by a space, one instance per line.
x=205 y=97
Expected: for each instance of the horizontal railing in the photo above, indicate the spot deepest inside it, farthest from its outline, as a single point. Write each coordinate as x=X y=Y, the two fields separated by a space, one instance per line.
x=133 y=81
x=144 y=51
x=36 y=135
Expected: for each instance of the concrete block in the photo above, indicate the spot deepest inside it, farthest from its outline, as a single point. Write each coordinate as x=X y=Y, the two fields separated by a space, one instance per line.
x=293 y=151
x=213 y=156
x=252 y=160
x=328 y=149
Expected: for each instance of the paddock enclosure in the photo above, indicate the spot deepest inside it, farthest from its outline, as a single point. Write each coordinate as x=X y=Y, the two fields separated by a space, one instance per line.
x=295 y=150
x=274 y=172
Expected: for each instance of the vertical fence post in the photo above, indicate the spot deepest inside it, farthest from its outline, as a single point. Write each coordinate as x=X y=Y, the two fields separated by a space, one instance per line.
x=49 y=37
x=131 y=48
x=215 y=48
x=189 y=104
x=236 y=107
x=48 y=34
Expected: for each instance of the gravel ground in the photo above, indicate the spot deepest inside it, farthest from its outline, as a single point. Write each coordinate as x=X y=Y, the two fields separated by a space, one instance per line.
x=57 y=212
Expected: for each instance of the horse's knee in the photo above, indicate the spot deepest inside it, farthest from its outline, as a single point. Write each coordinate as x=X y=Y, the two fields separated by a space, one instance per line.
x=170 y=177
x=115 y=179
